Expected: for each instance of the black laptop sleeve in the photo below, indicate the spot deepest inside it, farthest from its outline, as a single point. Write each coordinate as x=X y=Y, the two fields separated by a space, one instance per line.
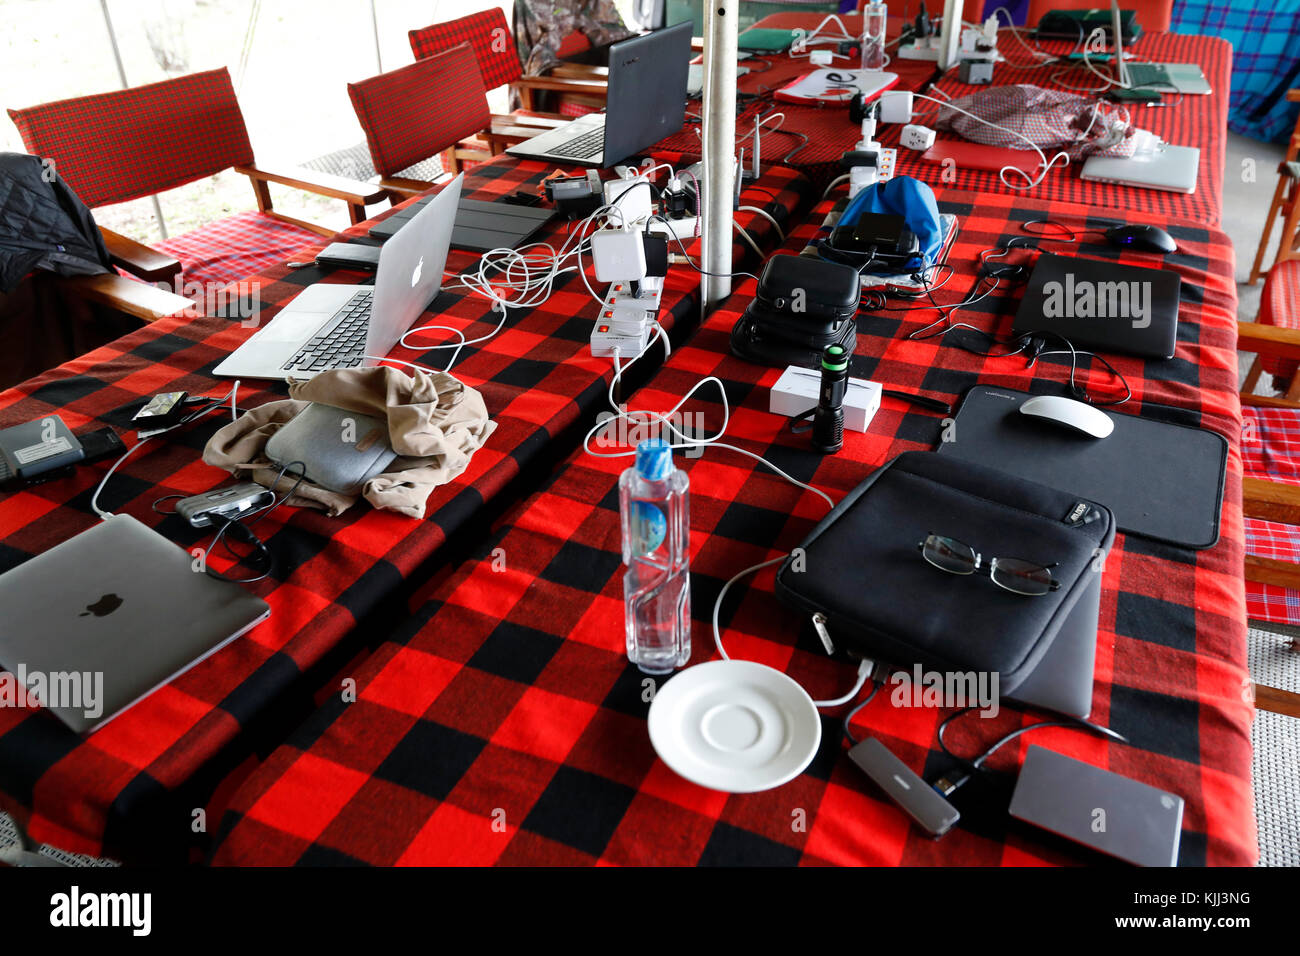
x=862 y=567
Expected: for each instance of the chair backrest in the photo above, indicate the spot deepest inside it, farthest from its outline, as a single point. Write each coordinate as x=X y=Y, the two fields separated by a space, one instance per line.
x=487 y=32
x=420 y=110
x=1152 y=14
x=111 y=147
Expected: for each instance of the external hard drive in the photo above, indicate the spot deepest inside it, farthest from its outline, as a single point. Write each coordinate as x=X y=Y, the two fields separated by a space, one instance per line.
x=1112 y=814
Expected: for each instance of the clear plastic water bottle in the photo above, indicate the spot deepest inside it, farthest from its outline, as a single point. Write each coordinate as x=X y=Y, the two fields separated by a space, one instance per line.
x=654 y=506
x=873 y=36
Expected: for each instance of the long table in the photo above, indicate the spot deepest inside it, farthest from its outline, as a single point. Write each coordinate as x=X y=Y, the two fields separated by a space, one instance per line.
x=129 y=789
x=502 y=724
x=1182 y=120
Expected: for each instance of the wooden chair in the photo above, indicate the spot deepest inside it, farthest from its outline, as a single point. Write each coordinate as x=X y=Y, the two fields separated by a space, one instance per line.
x=434 y=107
x=578 y=86
x=123 y=145
x=1271 y=501
x=1286 y=203
x=1279 y=306
x=1151 y=14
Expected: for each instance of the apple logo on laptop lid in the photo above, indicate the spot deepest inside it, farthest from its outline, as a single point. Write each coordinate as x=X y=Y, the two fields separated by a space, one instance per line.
x=104 y=606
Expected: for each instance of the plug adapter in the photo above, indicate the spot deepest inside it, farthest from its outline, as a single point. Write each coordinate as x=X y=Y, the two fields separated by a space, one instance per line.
x=619 y=254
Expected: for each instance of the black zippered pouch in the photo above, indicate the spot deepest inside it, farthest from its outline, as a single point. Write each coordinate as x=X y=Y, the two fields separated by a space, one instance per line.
x=803 y=306
x=814 y=288
x=862 y=570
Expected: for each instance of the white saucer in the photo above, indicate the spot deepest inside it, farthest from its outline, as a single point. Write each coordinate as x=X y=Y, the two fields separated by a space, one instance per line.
x=735 y=726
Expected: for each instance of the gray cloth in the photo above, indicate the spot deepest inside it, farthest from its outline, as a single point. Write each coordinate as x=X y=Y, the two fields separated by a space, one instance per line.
x=435 y=424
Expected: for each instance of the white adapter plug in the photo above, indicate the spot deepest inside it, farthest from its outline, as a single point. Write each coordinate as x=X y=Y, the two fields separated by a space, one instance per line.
x=637 y=204
x=896 y=106
x=916 y=137
x=618 y=254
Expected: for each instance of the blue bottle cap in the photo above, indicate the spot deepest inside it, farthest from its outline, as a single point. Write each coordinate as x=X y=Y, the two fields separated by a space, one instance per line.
x=654 y=459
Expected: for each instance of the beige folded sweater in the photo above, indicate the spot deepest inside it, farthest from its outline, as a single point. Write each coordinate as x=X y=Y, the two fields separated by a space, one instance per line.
x=435 y=423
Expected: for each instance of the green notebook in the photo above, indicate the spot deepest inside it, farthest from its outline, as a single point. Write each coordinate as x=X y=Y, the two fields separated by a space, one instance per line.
x=764 y=40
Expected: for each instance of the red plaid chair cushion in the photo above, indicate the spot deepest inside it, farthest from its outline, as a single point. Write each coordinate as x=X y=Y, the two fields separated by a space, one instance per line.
x=418 y=111
x=111 y=147
x=235 y=248
x=575 y=43
x=1270 y=450
x=487 y=32
x=1279 y=305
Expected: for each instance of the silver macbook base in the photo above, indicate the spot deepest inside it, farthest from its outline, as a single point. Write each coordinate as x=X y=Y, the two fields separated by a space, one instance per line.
x=337 y=326
x=104 y=619
x=1160 y=77
x=1170 y=168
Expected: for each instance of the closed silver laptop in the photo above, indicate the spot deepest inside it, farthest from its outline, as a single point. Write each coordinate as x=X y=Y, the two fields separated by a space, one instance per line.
x=328 y=325
x=1169 y=168
x=99 y=622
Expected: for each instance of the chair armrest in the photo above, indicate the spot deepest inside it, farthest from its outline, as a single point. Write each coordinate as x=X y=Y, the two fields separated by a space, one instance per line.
x=323 y=184
x=1268 y=340
x=557 y=84
x=539 y=123
x=1270 y=500
x=579 y=71
x=138 y=259
x=145 y=302
x=405 y=188
x=1277 y=701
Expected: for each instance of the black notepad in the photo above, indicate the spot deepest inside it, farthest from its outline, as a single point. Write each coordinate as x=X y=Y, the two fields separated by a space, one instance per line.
x=1162 y=481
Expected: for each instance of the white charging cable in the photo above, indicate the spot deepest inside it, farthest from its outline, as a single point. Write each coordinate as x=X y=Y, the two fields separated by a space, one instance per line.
x=1061 y=157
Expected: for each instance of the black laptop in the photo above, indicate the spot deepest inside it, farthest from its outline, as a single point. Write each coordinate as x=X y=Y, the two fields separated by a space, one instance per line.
x=646 y=101
x=1102 y=306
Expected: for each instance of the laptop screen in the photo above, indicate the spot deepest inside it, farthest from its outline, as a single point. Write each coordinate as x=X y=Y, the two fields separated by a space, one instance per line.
x=647 y=90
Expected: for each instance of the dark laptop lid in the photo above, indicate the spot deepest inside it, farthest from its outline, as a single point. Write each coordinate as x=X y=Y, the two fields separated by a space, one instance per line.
x=1101 y=305
x=647 y=90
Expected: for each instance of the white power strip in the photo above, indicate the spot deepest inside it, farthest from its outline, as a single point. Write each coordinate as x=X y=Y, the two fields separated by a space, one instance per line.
x=625 y=320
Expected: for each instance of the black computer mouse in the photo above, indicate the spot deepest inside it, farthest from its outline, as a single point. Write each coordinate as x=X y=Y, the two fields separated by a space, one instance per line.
x=1142 y=237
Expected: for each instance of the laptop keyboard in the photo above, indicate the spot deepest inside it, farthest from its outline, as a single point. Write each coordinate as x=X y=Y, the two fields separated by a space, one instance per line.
x=582 y=147
x=340 y=343
x=1147 y=74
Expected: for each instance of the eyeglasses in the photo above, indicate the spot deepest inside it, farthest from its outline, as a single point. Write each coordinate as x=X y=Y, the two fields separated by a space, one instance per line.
x=1011 y=574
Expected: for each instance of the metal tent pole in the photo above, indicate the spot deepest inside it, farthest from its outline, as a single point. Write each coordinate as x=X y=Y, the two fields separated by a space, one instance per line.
x=121 y=75
x=374 y=23
x=719 y=115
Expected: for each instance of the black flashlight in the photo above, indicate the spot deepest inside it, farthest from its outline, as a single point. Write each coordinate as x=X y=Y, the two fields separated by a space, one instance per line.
x=828 y=419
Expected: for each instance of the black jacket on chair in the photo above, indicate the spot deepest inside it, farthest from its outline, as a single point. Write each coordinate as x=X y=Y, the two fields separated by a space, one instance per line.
x=43 y=225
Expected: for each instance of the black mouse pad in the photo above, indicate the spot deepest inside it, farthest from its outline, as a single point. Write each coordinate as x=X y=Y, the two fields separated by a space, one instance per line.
x=1163 y=481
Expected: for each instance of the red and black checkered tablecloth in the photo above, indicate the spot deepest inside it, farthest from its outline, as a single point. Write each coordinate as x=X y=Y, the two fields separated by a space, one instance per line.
x=503 y=724
x=120 y=788
x=1200 y=121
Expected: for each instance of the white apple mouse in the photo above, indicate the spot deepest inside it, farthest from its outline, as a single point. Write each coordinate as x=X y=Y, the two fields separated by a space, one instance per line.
x=1069 y=414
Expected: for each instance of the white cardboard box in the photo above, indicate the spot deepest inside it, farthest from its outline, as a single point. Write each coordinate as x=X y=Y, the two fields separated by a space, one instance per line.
x=795 y=392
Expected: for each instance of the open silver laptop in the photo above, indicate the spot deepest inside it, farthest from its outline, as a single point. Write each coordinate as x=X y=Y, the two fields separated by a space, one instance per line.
x=1171 y=168
x=1161 y=77
x=336 y=326
x=101 y=621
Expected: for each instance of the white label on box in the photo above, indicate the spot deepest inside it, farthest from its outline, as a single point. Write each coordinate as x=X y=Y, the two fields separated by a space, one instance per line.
x=795 y=393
